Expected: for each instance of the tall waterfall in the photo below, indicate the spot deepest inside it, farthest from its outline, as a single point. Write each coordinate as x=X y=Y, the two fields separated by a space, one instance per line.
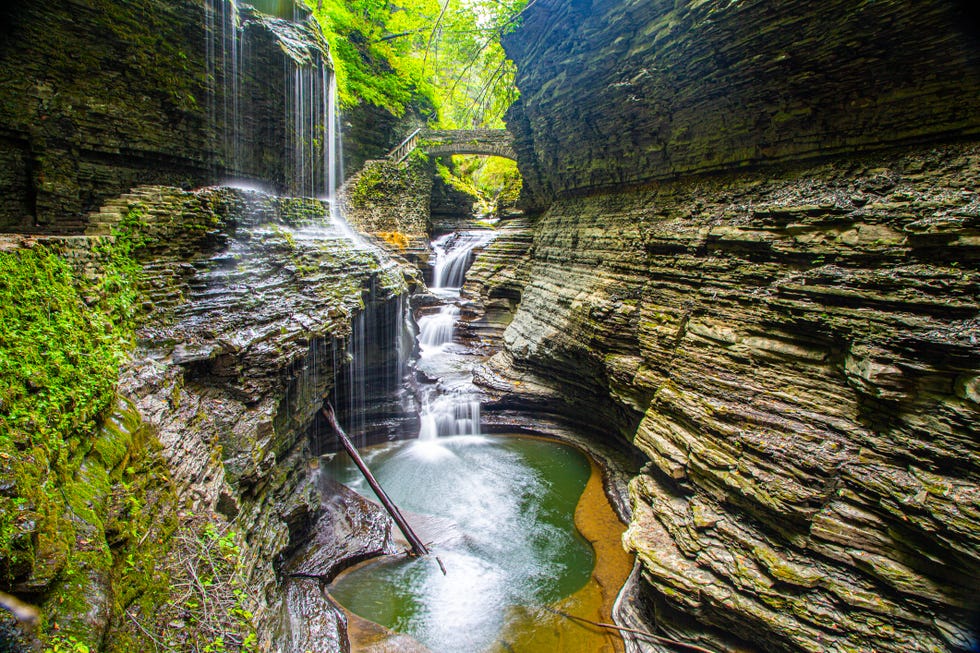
x=308 y=128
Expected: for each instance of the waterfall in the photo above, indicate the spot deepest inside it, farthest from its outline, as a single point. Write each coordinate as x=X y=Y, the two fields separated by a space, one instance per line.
x=239 y=102
x=454 y=254
x=436 y=331
x=450 y=406
x=277 y=126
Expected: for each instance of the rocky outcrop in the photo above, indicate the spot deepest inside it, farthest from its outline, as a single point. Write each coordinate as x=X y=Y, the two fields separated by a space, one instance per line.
x=752 y=269
x=102 y=96
x=390 y=201
x=495 y=283
x=232 y=373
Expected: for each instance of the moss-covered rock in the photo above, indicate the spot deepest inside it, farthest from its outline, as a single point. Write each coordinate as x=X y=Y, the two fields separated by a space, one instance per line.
x=391 y=201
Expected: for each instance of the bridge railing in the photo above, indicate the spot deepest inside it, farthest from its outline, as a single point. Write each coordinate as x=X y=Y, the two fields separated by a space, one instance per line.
x=401 y=152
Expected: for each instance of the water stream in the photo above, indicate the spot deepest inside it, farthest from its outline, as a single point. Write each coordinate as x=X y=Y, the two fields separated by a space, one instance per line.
x=450 y=405
x=501 y=514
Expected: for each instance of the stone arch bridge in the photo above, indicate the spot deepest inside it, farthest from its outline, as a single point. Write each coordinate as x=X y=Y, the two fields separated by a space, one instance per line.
x=436 y=142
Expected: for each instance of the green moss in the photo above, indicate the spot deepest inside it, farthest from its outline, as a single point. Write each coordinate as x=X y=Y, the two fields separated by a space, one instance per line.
x=367 y=187
x=62 y=338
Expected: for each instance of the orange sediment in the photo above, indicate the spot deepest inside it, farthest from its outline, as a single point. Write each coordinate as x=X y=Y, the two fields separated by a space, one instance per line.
x=535 y=630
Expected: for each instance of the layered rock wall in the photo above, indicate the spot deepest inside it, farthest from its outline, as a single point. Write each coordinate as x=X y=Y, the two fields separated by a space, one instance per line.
x=249 y=303
x=624 y=92
x=759 y=265
x=796 y=356
x=102 y=96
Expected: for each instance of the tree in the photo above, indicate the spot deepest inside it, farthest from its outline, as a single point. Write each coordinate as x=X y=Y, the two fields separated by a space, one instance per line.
x=447 y=51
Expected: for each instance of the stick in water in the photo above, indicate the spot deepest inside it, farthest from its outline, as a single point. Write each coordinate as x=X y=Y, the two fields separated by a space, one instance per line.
x=418 y=548
x=633 y=631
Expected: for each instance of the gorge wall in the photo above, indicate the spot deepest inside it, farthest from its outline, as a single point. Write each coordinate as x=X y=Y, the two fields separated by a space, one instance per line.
x=616 y=93
x=757 y=262
x=193 y=519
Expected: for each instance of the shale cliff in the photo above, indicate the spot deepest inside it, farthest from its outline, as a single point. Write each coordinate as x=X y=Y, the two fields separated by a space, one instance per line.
x=201 y=328
x=757 y=262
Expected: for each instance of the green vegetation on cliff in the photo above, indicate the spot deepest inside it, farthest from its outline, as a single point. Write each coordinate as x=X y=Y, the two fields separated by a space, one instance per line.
x=80 y=494
x=52 y=395
x=447 y=56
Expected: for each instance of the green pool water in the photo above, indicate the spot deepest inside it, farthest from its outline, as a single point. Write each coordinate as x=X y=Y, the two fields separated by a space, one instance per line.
x=499 y=512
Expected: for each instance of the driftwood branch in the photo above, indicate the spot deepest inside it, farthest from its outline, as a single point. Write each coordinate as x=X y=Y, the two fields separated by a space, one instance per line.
x=418 y=548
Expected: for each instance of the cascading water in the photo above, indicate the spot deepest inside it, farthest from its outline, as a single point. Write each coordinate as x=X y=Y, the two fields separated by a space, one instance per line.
x=454 y=254
x=240 y=104
x=503 y=552
x=297 y=110
x=452 y=405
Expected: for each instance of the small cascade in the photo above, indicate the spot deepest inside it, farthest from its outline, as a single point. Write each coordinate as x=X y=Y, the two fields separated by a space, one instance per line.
x=448 y=415
x=436 y=331
x=450 y=405
x=454 y=254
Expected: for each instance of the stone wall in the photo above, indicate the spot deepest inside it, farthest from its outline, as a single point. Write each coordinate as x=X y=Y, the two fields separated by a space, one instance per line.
x=623 y=92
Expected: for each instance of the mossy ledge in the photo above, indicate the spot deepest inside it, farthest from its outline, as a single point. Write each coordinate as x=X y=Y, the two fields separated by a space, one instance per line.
x=157 y=445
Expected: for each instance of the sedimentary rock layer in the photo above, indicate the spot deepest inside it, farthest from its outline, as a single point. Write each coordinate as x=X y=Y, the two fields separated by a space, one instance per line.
x=102 y=96
x=390 y=201
x=796 y=354
x=251 y=301
x=758 y=264
x=617 y=92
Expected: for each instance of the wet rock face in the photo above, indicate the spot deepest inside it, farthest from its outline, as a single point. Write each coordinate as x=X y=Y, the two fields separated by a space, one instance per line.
x=796 y=354
x=250 y=302
x=495 y=282
x=616 y=92
x=350 y=529
x=102 y=96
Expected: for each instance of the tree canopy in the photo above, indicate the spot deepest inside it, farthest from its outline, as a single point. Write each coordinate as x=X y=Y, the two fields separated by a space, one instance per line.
x=447 y=52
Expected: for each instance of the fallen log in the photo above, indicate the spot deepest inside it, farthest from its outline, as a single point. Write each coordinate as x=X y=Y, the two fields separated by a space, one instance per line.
x=418 y=548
